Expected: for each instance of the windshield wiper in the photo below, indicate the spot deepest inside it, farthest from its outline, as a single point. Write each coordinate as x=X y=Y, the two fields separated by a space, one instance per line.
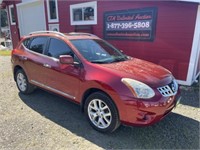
x=118 y=59
x=99 y=62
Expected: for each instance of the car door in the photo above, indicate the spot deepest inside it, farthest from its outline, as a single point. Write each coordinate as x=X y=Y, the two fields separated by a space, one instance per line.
x=35 y=59
x=63 y=79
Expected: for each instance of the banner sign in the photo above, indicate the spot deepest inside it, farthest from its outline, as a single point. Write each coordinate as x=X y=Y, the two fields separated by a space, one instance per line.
x=136 y=24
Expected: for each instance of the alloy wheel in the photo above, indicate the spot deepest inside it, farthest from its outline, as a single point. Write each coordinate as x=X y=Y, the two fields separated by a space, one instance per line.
x=99 y=113
x=21 y=82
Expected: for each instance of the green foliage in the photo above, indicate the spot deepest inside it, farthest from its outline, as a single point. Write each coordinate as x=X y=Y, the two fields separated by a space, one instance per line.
x=5 y=52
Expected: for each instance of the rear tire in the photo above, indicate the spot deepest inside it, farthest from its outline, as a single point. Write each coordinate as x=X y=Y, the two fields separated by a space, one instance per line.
x=22 y=82
x=101 y=112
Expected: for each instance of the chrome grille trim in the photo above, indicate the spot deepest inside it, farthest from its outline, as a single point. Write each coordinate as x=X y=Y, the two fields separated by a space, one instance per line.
x=169 y=90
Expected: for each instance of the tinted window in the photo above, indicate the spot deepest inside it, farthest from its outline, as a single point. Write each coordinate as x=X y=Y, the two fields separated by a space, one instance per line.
x=57 y=48
x=26 y=42
x=38 y=44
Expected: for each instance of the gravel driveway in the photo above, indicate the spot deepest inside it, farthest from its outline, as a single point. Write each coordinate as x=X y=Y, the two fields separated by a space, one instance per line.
x=46 y=121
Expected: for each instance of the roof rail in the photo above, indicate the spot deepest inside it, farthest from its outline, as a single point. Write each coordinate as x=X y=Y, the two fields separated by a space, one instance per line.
x=55 y=32
x=81 y=33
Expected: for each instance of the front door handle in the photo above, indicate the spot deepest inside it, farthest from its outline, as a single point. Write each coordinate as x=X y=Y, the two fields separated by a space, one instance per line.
x=47 y=65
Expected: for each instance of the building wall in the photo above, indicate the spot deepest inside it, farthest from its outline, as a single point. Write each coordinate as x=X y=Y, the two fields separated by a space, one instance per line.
x=13 y=28
x=64 y=16
x=174 y=31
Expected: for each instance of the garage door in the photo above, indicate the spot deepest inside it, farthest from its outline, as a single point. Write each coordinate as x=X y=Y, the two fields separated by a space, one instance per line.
x=31 y=17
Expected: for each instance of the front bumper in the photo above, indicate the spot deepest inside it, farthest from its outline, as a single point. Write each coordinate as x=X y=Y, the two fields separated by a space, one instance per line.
x=144 y=113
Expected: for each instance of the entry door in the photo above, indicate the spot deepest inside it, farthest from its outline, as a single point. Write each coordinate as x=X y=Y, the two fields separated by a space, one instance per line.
x=31 y=17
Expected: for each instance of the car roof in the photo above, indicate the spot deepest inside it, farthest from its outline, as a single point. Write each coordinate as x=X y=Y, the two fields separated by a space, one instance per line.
x=69 y=36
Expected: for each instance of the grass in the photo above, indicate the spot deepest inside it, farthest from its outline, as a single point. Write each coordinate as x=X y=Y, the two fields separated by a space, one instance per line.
x=5 y=52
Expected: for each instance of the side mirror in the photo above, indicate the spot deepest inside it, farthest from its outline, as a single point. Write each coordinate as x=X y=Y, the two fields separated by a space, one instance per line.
x=66 y=59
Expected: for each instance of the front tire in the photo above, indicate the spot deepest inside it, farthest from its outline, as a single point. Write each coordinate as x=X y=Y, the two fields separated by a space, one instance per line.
x=101 y=112
x=22 y=82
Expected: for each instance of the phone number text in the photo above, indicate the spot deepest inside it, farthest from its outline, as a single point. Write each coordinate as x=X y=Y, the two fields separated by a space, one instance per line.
x=128 y=25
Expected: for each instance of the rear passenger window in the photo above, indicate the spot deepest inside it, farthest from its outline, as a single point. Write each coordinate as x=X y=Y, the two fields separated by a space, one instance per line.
x=57 y=48
x=38 y=44
x=26 y=42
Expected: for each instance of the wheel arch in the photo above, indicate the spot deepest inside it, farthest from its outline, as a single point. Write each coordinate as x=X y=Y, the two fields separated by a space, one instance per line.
x=16 y=68
x=89 y=92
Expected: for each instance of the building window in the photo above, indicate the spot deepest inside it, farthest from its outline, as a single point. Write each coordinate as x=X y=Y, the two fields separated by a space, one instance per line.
x=52 y=7
x=83 y=13
x=12 y=15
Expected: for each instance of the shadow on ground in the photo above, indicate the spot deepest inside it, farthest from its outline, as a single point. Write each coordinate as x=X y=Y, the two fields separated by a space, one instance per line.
x=190 y=95
x=174 y=132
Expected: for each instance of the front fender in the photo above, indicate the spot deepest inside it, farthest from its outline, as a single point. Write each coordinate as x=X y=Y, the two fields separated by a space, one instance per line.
x=90 y=87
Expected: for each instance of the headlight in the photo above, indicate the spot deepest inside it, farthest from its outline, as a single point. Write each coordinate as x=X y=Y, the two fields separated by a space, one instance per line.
x=139 y=89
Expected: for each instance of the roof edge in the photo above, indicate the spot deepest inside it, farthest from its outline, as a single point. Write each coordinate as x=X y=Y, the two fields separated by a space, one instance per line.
x=194 y=1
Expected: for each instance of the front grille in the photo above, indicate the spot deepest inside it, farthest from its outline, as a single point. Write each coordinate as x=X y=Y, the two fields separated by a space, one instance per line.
x=169 y=90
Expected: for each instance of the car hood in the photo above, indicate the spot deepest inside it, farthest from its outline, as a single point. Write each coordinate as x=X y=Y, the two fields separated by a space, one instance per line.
x=144 y=71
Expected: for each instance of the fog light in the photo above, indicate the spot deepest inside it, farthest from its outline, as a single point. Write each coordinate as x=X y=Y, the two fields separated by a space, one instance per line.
x=142 y=116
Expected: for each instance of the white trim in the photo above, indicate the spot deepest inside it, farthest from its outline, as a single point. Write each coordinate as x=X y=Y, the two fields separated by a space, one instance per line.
x=9 y=25
x=196 y=71
x=54 y=26
x=81 y=5
x=181 y=82
x=10 y=15
x=197 y=75
x=48 y=12
x=195 y=1
x=27 y=2
x=194 y=52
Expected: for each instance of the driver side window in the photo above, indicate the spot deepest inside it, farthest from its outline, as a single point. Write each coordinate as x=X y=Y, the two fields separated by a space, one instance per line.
x=57 y=48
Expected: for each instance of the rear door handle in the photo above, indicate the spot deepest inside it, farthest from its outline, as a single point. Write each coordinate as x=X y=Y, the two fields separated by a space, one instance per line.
x=23 y=58
x=47 y=65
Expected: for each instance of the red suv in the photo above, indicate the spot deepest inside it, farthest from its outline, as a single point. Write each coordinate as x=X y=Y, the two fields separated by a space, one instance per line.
x=111 y=87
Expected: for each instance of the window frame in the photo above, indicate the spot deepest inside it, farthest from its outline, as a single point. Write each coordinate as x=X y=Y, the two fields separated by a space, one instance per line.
x=10 y=15
x=82 y=5
x=54 y=26
x=48 y=12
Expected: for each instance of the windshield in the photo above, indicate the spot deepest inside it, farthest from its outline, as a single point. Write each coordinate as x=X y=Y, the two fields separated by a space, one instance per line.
x=98 y=51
